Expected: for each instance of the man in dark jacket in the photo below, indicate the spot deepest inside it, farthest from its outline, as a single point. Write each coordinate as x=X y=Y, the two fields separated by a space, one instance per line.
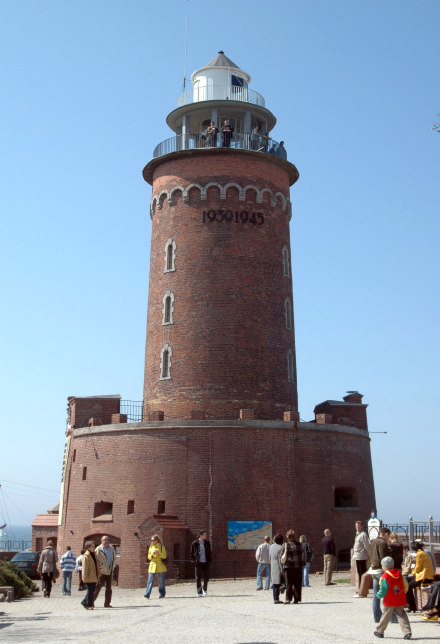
x=329 y=552
x=201 y=557
x=378 y=550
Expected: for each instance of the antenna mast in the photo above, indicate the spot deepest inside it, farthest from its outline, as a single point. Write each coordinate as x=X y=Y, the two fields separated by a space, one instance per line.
x=186 y=45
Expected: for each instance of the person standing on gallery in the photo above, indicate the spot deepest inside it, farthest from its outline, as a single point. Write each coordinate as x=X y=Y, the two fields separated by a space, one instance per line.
x=262 y=555
x=211 y=133
x=329 y=552
x=46 y=567
x=91 y=572
x=276 y=569
x=361 y=552
x=227 y=134
x=67 y=565
x=201 y=557
x=156 y=556
x=293 y=567
x=378 y=551
x=106 y=555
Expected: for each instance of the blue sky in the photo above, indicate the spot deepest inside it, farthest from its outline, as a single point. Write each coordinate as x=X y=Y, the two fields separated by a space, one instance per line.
x=86 y=87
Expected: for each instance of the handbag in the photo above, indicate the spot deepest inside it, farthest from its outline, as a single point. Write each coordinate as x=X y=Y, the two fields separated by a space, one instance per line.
x=282 y=584
x=165 y=560
x=284 y=556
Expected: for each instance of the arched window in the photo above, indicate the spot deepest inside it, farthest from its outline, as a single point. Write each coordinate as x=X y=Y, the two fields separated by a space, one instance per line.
x=290 y=367
x=286 y=267
x=165 y=363
x=288 y=313
x=170 y=256
x=345 y=497
x=168 y=308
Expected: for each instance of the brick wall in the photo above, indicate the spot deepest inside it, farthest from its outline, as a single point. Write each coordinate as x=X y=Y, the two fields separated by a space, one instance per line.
x=41 y=535
x=229 y=339
x=208 y=475
x=98 y=408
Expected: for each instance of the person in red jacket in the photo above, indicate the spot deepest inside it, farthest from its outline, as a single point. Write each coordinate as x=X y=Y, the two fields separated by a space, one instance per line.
x=392 y=590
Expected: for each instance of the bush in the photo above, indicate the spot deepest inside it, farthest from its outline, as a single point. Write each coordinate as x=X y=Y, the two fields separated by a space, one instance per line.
x=12 y=576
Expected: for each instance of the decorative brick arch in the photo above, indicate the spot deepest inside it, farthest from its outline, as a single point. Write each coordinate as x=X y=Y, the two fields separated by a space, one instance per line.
x=277 y=197
x=186 y=191
x=241 y=196
x=171 y=193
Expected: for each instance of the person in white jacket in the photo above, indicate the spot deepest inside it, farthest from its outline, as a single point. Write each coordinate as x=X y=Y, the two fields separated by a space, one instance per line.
x=262 y=555
x=361 y=551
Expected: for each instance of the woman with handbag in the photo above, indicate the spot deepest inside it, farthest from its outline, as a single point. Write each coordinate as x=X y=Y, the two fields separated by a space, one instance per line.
x=47 y=567
x=276 y=569
x=157 y=556
x=292 y=559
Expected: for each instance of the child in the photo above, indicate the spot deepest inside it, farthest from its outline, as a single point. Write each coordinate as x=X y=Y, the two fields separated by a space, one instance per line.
x=393 y=589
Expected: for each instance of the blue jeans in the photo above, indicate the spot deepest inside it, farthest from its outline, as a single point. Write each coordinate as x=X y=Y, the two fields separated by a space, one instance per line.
x=150 y=583
x=305 y=579
x=263 y=569
x=377 y=612
x=67 y=582
x=88 y=599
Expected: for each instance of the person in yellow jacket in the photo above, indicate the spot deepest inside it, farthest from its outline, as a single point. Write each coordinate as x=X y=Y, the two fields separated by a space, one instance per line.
x=91 y=571
x=156 y=556
x=422 y=573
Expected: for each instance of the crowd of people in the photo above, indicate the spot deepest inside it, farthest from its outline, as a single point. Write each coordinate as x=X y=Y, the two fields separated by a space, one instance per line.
x=395 y=571
x=259 y=140
x=94 y=566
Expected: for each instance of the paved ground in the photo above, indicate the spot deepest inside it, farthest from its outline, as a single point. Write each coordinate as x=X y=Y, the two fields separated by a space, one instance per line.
x=232 y=613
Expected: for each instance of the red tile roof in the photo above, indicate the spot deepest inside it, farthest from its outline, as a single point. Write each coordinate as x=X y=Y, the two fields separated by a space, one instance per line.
x=46 y=520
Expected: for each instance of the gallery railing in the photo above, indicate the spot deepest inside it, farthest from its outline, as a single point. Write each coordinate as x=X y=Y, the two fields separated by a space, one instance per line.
x=200 y=141
x=220 y=93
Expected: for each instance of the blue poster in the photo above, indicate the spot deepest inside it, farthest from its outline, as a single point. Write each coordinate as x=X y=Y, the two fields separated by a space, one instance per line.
x=247 y=535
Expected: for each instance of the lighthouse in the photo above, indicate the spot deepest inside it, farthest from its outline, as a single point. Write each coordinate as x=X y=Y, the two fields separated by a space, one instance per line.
x=219 y=444
x=220 y=334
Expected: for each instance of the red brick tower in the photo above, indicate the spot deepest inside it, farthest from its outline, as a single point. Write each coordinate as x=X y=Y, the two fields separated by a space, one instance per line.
x=220 y=445
x=220 y=332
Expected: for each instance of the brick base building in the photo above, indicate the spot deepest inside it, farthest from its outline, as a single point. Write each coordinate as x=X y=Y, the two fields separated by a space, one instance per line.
x=173 y=477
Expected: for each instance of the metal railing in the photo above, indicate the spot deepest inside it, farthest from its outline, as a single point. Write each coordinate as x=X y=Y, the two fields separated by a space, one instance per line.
x=426 y=531
x=15 y=544
x=133 y=409
x=254 y=142
x=220 y=93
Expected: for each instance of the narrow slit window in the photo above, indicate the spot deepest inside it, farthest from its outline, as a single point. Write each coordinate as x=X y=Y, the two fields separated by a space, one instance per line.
x=168 y=308
x=286 y=267
x=170 y=256
x=130 y=507
x=84 y=477
x=161 y=507
x=165 y=364
x=290 y=369
x=288 y=313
